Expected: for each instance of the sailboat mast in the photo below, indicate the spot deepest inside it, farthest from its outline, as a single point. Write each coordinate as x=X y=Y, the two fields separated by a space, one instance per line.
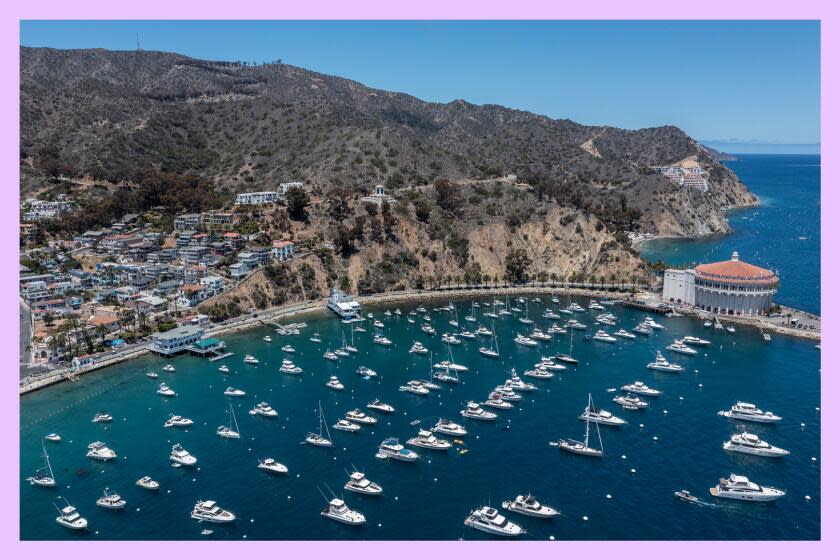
x=47 y=459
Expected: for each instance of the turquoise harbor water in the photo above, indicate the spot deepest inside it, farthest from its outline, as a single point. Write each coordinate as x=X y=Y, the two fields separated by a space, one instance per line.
x=782 y=234
x=429 y=499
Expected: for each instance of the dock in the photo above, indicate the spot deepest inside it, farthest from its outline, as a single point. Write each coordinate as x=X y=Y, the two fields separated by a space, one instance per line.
x=643 y=306
x=212 y=347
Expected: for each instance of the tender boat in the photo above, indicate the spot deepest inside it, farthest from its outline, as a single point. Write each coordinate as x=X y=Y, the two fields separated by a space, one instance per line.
x=491 y=521
x=524 y=340
x=360 y=417
x=111 y=500
x=263 y=409
x=168 y=368
x=528 y=505
x=380 y=406
x=148 y=483
x=749 y=412
x=272 y=466
x=751 y=444
x=641 y=389
x=165 y=391
x=175 y=421
x=99 y=451
x=680 y=347
x=418 y=348
x=207 y=510
x=686 y=496
x=102 y=417
x=740 y=488
x=234 y=392
x=70 y=518
x=707 y=324
x=391 y=448
x=181 y=456
x=346 y=426
x=661 y=364
x=426 y=439
x=474 y=411
x=449 y=428
x=337 y=510
x=361 y=485
x=693 y=340
x=335 y=384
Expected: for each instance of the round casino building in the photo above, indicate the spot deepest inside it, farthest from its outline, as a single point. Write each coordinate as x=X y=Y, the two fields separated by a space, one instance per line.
x=730 y=287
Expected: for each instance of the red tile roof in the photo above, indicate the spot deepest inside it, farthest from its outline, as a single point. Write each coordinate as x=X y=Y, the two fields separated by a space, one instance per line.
x=736 y=271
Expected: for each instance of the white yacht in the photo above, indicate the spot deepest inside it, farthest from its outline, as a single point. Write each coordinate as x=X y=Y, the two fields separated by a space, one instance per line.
x=165 y=391
x=234 y=392
x=680 y=347
x=489 y=352
x=466 y=334
x=231 y=431
x=524 y=340
x=595 y=305
x=650 y=323
x=289 y=349
x=550 y=314
x=693 y=340
x=341 y=352
x=99 y=451
x=661 y=364
x=224 y=369
x=148 y=483
x=537 y=334
x=740 y=488
x=538 y=372
x=495 y=400
x=594 y=414
x=507 y=394
x=576 y=325
x=641 y=328
x=448 y=427
x=249 y=359
x=749 y=412
x=346 y=426
x=337 y=510
x=102 y=417
x=428 y=329
x=319 y=440
x=730 y=329
x=380 y=406
x=169 y=368
x=491 y=521
x=549 y=364
x=267 y=338
x=356 y=415
x=528 y=505
x=361 y=485
x=366 y=372
x=416 y=387
x=175 y=421
x=207 y=510
x=272 y=466
x=515 y=383
x=556 y=329
x=391 y=448
x=603 y=336
x=110 y=500
x=575 y=308
x=332 y=356
x=52 y=437
x=70 y=518
x=426 y=439
x=483 y=331
x=582 y=447
x=379 y=324
x=418 y=348
x=152 y=375
x=624 y=334
x=181 y=456
x=263 y=409
x=641 y=389
x=335 y=384
x=630 y=402
x=450 y=339
x=379 y=339
x=314 y=338
x=474 y=411
x=751 y=444
x=290 y=368
x=707 y=324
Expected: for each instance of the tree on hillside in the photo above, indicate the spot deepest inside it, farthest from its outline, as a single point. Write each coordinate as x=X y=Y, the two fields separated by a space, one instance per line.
x=447 y=195
x=517 y=263
x=297 y=200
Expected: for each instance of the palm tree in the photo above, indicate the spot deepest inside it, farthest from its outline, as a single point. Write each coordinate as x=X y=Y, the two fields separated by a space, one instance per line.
x=553 y=277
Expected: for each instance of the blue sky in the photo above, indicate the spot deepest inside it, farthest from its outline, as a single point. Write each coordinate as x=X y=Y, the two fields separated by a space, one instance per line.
x=755 y=85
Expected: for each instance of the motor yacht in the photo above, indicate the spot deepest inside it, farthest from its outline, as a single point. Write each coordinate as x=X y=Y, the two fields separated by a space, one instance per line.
x=650 y=323
x=661 y=364
x=566 y=358
x=224 y=369
x=152 y=375
x=315 y=338
x=538 y=373
x=234 y=392
x=428 y=330
x=249 y=359
x=515 y=383
x=391 y=448
x=379 y=324
x=418 y=348
x=641 y=389
x=169 y=368
x=387 y=313
x=549 y=314
x=641 y=328
x=595 y=305
x=332 y=356
x=426 y=439
x=416 y=387
x=346 y=426
x=693 y=340
x=549 y=364
x=524 y=340
x=528 y=505
x=483 y=331
x=272 y=466
x=165 y=391
x=686 y=496
x=379 y=339
x=361 y=485
x=148 y=483
x=749 y=412
x=111 y=500
x=450 y=339
x=337 y=510
x=495 y=400
x=356 y=415
x=738 y=487
x=603 y=336
x=507 y=394
x=489 y=352
x=466 y=334
x=556 y=329
x=707 y=324
x=474 y=411
x=207 y=510
x=102 y=417
x=380 y=406
x=181 y=456
x=342 y=352
x=357 y=328
x=599 y=416
x=289 y=349
x=624 y=334
x=630 y=402
x=52 y=437
x=730 y=329
x=751 y=444
x=177 y=422
x=448 y=427
x=680 y=347
x=70 y=518
x=537 y=334
x=335 y=384
x=99 y=451
x=267 y=338
x=263 y=409
x=491 y=521
x=576 y=325
x=290 y=368
x=575 y=308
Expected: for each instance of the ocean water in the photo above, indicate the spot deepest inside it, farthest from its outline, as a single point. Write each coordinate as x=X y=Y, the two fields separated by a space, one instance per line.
x=782 y=234
x=430 y=499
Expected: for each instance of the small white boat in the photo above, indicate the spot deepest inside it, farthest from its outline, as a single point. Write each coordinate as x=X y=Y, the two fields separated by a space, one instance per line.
x=686 y=496
x=290 y=368
x=267 y=338
x=234 y=392
x=380 y=406
x=680 y=347
x=582 y=447
x=315 y=338
x=101 y=417
x=495 y=400
x=428 y=329
x=148 y=483
x=489 y=520
x=661 y=364
x=346 y=426
x=693 y=340
x=231 y=431
x=337 y=510
x=289 y=349
x=224 y=369
x=749 y=412
x=379 y=324
x=418 y=348
x=52 y=437
x=181 y=456
x=448 y=427
x=366 y=372
x=641 y=328
x=650 y=323
x=177 y=422
x=99 y=451
x=263 y=409
x=707 y=324
x=594 y=414
x=152 y=375
x=111 y=500
x=630 y=402
x=249 y=359
x=751 y=444
x=272 y=466
x=168 y=368
x=43 y=477
x=335 y=384
x=165 y=391
x=730 y=329
x=741 y=488
x=207 y=510
x=450 y=339
x=356 y=415
x=391 y=448
x=603 y=336
x=537 y=334
x=330 y=356
x=641 y=389
x=538 y=373
x=450 y=366
x=361 y=485
x=416 y=387
x=524 y=340
x=70 y=518
x=528 y=505
x=474 y=411
x=549 y=364
x=624 y=334
x=379 y=339
x=427 y=440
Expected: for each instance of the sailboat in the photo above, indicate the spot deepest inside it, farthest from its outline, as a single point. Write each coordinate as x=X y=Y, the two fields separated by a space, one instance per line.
x=525 y=320
x=318 y=439
x=471 y=316
x=42 y=478
x=582 y=448
x=447 y=375
x=506 y=310
x=229 y=431
x=491 y=352
x=352 y=348
x=454 y=322
x=568 y=357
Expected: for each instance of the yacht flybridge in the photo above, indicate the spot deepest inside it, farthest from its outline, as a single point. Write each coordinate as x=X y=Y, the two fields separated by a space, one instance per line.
x=749 y=412
x=695 y=341
x=175 y=421
x=528 y=505
x=263 y=409
x=474 y=411
x=680 y=347
x=741 y=488
x=594 y=414
x=449 y=428
x=426 y=439
x=110 y=500
x=489 y=520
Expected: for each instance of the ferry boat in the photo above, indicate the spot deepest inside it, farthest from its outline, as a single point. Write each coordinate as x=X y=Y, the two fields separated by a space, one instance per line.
x=418 y=348
x=234 y=392
x=738 y=487
x=391 y=448
x=263 y=409
x=334 y=383
x=147 y=483
x=175 y=421
x=426 y=439
x=99 y=451
x=448 y=427
x=337 y=510
x=344 y=306
x=641 y=389
x=207 y=510
x=346 y=426
x=111 y=500
x=680 y=347
x=491 y=521
x=528 y=505
x=661 y=364
x=68 y=517
x=474 y=411
x=380 y=406
x=751 y=444
x=361 y=485
x=272 y=466
x=181 y=456
x=749 y=412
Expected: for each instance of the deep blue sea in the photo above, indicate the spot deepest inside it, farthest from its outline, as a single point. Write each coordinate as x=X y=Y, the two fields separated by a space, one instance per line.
x=782 y=234
x=674 y=444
